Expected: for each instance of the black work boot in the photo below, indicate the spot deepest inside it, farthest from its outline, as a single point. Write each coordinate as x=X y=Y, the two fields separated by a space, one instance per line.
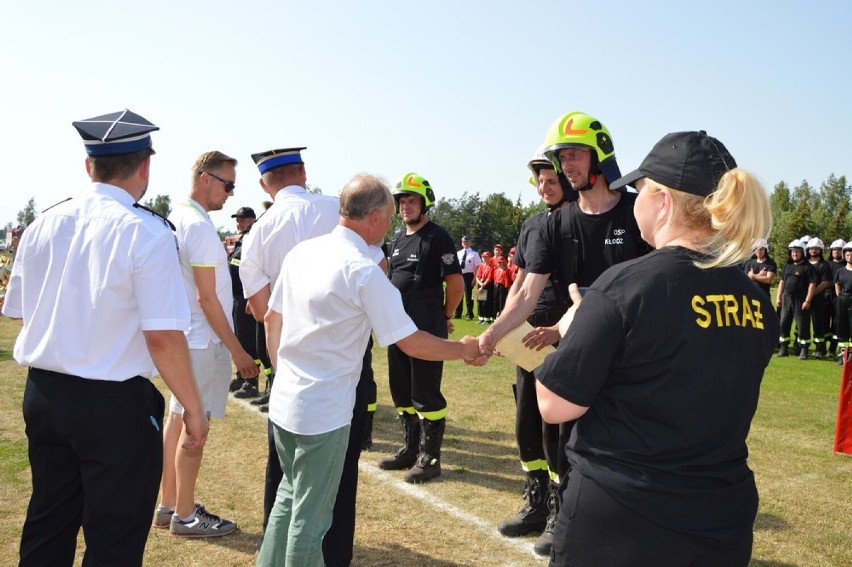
x=797 y=347
x=782 y=350
x=545 y=541
x=428 y=464
x=803 y=351
x=261 y=401
x=249 y=390
x=236 y=384
x=533 y=516
x=367 y=439
x=407 y=454
x=832 y=348
x=819 y=350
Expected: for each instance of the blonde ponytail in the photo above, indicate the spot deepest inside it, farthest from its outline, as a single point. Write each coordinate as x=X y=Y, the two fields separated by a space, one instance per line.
x=739 y=214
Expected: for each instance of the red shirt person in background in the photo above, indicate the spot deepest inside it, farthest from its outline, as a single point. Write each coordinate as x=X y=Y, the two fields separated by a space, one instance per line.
x=501 y=284
x=485 y=289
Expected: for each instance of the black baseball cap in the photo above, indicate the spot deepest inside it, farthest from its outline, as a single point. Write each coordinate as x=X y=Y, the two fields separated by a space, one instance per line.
x=244 y=212
x=692 y=162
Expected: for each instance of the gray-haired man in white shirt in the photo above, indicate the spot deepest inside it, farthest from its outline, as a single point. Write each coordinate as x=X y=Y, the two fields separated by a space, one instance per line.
x=317 y=356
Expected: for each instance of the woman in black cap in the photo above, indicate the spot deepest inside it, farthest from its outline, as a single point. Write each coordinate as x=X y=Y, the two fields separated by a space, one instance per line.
x=662 y=364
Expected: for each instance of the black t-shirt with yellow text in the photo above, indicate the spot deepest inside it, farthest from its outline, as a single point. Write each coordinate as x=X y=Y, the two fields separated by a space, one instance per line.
x=669 y=359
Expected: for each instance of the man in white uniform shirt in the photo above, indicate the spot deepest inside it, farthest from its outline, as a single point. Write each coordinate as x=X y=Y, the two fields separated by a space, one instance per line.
x=329 y=317
x=211 y=338
x=469 y=261
x=294 y=216
x=97 y=284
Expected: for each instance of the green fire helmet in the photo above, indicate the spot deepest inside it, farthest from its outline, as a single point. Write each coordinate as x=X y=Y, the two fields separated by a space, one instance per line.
x=579 y=130
x=413 y=184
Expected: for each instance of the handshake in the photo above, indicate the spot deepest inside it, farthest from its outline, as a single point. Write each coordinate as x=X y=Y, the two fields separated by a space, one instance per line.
x=474 y=354
x=525 y=345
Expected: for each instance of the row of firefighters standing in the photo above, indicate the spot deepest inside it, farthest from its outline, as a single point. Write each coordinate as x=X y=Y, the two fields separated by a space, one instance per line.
x=815 y=294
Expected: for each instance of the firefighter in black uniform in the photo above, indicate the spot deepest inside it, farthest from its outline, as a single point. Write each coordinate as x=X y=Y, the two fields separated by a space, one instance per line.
x=836 y=263
x=843 y=314
x=576 y=244
x=423 y=258
x=538 y=442
x=823 y=296
x=794 y=295
x=245 y=327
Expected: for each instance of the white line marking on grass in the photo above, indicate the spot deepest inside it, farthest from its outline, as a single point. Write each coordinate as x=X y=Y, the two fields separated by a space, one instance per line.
x=486 y=528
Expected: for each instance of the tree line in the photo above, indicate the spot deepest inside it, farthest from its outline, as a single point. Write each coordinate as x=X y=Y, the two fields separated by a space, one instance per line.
x=804 y=210
x=822 y=211
x=487 y=221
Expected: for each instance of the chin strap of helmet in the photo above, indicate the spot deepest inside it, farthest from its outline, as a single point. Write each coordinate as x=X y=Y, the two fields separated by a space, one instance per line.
x=594 y=171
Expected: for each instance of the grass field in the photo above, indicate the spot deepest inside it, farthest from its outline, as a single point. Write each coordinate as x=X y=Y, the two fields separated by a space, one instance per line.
x=804 y=516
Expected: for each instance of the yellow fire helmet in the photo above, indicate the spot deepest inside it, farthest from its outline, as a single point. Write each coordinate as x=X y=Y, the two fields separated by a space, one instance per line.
x=579 y=130
x=413 y=184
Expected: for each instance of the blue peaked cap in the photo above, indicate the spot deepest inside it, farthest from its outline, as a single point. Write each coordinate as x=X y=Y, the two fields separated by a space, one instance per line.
x=267 y=161
x=115 y=134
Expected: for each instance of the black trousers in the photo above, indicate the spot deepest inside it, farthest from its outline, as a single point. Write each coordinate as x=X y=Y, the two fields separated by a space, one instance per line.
x=831 y=307
x=819 y=317
x=337 y=545
x=537 y=440
x=415 y=383
x=843 y=317
x=96 y=454
x=791 y=308
x=245 y=327
x=594 y=529
x=486 y=306
x=339 y=540
x=468 y=296
x=260 y=341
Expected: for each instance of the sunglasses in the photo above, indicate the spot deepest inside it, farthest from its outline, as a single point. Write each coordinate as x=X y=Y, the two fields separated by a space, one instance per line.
x=229 y=185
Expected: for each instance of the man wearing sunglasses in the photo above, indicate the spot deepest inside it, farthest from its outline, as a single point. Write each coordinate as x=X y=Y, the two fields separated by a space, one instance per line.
x=211 y=338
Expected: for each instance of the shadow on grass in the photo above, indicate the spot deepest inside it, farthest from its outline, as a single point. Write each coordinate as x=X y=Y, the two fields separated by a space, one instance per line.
x=5 y=354
x=394 y=555
x=770 y=523
x=245 y=543
x=760 y=563
x=240 y=541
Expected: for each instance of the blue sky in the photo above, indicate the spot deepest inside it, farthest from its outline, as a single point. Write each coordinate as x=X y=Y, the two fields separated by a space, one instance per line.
x=461 y=92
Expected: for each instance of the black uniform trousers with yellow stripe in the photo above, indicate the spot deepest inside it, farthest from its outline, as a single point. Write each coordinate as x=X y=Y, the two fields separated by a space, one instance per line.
x=791 y=308
x=539 y=442
x=416 y=383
